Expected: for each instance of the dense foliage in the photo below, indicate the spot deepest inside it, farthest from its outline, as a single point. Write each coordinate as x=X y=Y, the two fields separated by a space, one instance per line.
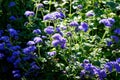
x=59 y=39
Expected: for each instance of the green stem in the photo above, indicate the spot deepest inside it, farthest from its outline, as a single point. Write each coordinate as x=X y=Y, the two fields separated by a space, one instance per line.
x=50 y=5
x=36 y=12
x=103 y=37
x=70 y=6
x=38 y=50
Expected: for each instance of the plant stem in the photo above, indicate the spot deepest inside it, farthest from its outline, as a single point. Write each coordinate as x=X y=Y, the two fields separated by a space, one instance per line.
x=50 y=5
x=70 y=6
x=38 y=49
x=36 y=12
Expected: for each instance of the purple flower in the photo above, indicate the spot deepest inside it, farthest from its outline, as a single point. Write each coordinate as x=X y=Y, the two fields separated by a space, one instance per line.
x=29 y=13
x=57 y=36
x=54 y=16
x=58 y=29
x=74 y=23
x=58 y=40
x=5 y=38
x=30 y=43
x=16 y=73
x=40 y=5
x=80 y=6
x=55 y=43
x=49 y=30
x=2 y=56
x=17 y=62
x=83 y=26
x=34 y=66
x=16 y=53
x=37 y=40
x=116 y=66
x=58 y=15
x=63 y=45
x=86 y=61
x=118 y=60
x=44 y=37
x=117 y=31
x=69 y=34
x=14 y=48
x=29 y=49
x=107 y=22
x=11 y=4
x=109 y=43
x=1 y=32
x=109 y=66
x=48 y=17
x=82 y=73
x=12 y=32
x=37 y=31
x=12 y=18
x=90 y=13
x=63 y=27
x=115 y=38
x=102 y=74
x=52 y=53
x=2 y=46
x=111 y=20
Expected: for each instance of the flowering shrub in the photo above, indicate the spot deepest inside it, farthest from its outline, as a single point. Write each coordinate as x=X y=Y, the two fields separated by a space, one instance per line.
x=64 y=39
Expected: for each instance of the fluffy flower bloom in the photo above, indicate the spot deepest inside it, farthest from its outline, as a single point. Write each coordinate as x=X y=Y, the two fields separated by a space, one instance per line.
x=109 y=43
x=52 y=53
x=90 y=13
x=2 y=56
x=102 y=74
x=117 y=31
x=48 y=17
x=37 y=40
x=29 y=49
x=17 y=62
x=16 y=73
x=1 y=32
x=80 y=6
x=5 y=39
x=12 y=32
x=115 y=38
x=86 y=61
x=74 y=23
x=83 y=26
x=15 y=48
x=107 y=22
x=54 y=16
x=40 y=5
x=34 y=66
x=29 y=13
x=12 y=18
x=58 y=40
x=16 y=53
x=118 y=60
x=37 y=31
x=116 y=66
x=57 y=36
x=49 y=30
x=69 y=34
x=109 y=66
x=58 y=29
x=30 y=43
x=55 y=43
x=11 y=4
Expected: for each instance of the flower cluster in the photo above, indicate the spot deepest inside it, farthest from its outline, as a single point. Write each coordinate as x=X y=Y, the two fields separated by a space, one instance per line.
x=91 y=70
x=54 y=16
x=58 y=40
x=107 y=22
